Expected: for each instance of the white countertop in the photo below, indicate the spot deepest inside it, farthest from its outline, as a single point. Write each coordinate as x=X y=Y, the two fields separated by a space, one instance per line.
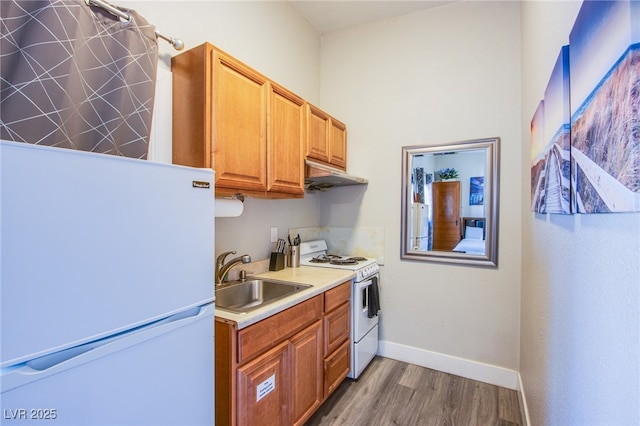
x=320 y=279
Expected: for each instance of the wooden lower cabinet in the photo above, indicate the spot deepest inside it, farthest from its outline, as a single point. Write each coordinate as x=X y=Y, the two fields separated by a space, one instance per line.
x=337 y=328
x=279 y=371
x=336 y=368
x=337 y=325
x=263 y=389
x=306 y=369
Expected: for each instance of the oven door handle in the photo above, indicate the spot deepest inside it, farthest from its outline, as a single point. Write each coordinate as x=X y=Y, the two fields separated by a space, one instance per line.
x=366 y=283
x=363 y=284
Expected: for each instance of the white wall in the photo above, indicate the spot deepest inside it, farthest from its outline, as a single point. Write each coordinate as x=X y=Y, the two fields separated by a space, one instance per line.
x=448 y=74
x=273 y=38
x=580 y=330
x=269 y=36
x=443 y=75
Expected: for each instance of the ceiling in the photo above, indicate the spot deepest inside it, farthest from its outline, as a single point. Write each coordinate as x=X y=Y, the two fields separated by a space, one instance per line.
x=331 y=15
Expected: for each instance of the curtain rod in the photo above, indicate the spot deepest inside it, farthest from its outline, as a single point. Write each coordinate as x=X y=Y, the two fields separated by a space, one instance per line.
x=175 y=42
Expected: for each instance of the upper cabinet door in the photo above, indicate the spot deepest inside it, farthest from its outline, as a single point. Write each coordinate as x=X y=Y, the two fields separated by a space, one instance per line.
x=239 y=125
x=285 y=141
x=317 y=134
x=326 y=138
x=338 y=144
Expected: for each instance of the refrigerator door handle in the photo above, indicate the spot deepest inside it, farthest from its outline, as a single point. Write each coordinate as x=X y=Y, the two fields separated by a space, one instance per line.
x=40 y=368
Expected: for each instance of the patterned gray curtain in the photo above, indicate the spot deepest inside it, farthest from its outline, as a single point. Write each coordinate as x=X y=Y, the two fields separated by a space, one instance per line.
x=419 y=190
x=75 y=76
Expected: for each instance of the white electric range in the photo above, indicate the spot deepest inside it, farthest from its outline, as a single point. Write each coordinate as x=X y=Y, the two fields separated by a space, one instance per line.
x=365 y=301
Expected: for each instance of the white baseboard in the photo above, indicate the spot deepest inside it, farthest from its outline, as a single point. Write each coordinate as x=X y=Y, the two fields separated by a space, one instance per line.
x=486 y=373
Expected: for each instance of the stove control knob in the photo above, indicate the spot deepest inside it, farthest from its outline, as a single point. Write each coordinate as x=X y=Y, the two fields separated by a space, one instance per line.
x=368 y=271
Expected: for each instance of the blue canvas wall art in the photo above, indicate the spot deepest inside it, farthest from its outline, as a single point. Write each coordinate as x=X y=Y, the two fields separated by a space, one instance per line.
x=605 y=106
x=585 y=133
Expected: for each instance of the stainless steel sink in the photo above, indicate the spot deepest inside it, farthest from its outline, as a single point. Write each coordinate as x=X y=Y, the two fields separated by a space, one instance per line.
x=245 y=296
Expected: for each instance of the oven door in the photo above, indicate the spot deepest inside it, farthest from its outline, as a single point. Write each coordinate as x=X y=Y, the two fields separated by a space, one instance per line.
x=361 y=322
x=364 y=330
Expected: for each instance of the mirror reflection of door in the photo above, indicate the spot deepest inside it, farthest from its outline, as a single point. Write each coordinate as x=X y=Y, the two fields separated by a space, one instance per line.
x=446 y=215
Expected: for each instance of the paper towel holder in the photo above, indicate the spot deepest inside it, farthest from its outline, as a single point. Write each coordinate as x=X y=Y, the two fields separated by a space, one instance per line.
x=238 y=196
x=229 y=206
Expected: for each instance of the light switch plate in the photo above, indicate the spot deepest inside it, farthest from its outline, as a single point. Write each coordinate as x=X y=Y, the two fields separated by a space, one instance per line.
x=274 y=234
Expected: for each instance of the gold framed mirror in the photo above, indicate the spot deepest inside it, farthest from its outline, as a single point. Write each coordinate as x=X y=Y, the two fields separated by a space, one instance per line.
x=450 y=202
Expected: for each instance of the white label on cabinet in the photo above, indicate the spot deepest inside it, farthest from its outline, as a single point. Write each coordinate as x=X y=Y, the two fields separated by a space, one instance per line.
x=265 y=387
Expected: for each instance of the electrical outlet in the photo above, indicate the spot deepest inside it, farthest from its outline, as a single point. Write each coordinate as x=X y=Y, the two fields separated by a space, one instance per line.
x=274 y=234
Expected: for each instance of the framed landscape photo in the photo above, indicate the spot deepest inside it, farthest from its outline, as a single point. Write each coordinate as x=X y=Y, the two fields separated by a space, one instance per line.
x=605 y=106
x=476 y=191
x=585 y=133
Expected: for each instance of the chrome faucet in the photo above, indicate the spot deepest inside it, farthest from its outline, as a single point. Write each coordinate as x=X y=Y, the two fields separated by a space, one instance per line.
x=222 y=268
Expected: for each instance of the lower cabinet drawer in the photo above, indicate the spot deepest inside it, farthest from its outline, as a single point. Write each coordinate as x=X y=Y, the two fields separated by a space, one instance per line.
x=337 y=296
x=259 y=337
x=337 y=326
x=336 y=367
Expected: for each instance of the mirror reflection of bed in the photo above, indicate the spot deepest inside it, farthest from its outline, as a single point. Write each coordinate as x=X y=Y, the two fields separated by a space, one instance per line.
x=473 y=236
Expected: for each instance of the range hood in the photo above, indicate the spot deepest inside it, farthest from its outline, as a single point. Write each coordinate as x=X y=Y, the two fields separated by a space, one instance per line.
x=322 y=177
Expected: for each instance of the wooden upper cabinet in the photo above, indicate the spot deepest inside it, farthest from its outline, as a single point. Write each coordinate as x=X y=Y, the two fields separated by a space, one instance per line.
x=317 y=134
x=239 y=123
x=326 y=138
x=338 y=144
x=192 y=104
x=285 y=141
x=231 y=118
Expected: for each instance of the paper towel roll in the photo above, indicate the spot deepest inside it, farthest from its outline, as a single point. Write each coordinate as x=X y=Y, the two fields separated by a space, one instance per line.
x=228 y=207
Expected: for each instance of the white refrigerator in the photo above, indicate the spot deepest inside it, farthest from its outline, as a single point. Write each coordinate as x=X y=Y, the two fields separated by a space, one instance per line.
x=420 y=236
x=107 y=290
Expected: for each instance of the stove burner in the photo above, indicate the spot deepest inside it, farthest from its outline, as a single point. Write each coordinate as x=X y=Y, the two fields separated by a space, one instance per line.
x=334 y=259
x=350 y=261
x=324 y=258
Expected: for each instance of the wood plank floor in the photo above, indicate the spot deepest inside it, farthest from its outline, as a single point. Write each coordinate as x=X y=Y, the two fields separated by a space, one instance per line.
x=391 y=392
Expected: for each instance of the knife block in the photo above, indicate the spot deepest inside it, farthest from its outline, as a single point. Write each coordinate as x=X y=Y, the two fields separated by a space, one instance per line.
x=276 y=263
